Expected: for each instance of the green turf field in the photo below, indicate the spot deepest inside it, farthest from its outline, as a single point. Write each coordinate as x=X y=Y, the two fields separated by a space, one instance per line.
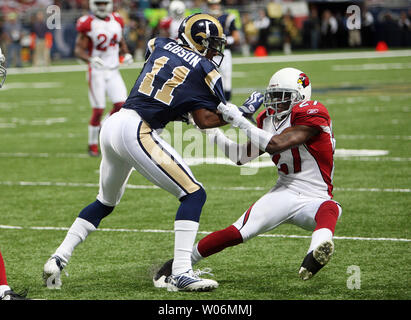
x=47 y=178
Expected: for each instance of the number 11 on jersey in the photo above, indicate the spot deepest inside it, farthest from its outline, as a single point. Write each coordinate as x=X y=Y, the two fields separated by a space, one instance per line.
x=165 y=94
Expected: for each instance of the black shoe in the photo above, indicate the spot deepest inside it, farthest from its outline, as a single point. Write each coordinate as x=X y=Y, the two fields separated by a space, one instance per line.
x=316 y=259
x=11 y=295
x=161 y=275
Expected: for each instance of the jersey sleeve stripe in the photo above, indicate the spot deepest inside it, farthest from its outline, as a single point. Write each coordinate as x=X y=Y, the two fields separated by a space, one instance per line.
x=212 y=78
x=150 y=44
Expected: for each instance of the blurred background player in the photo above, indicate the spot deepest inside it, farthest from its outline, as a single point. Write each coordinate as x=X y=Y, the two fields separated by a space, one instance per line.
x=6 y=293
x=100 y=43
x=297 y=133
x=176 y=14
x=233 y=38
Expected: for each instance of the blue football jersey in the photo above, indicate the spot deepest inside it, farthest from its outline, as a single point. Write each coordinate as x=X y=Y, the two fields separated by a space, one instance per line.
x=228 y=23
x=174 y=80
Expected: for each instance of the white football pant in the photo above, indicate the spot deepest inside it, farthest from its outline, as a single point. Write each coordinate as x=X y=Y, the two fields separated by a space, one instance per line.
x=128 y=142
x=102 y=82
x=279 y=205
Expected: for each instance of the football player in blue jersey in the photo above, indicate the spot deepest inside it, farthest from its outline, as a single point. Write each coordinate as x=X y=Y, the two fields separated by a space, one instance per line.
x=178 y=77
x=233 y=38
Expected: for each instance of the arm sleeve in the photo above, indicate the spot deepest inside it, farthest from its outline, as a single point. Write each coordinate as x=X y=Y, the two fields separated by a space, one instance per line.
x=235 y=152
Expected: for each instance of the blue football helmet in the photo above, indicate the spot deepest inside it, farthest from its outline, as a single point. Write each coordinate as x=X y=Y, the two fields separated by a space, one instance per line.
x=203 y=34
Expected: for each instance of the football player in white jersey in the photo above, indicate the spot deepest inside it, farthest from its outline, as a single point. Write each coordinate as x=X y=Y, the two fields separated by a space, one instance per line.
x=100 y=43
x=169 y=25
x=297 y=133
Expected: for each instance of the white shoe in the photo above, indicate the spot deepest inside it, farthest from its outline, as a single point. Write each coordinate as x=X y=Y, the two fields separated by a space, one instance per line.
x=52 y=271
x=189 y=281
x=316 y=259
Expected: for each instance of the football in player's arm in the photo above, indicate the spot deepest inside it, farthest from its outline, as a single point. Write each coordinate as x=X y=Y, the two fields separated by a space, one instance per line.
x=178 y=77
x=297 y=133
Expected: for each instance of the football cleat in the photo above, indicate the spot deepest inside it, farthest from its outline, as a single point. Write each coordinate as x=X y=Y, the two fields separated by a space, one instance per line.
x=11 y=295
x=159 y=279
x=93 y=150
x=52 y=272
x=189 y=281
x=316 y=259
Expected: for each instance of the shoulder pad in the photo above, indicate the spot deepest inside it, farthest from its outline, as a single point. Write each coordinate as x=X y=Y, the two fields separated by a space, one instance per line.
x=118 y=18
x=84 y=24
x=310 y=113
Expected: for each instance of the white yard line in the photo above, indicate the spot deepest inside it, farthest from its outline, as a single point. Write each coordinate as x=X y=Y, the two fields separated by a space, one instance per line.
x=239 y=60
x=203 y=232
x=153 y=187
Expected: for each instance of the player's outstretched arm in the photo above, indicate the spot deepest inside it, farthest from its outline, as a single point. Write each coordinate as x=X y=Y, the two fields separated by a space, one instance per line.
x=238 y=153
x=289 y=138
x=266 y=141
x=206 y=119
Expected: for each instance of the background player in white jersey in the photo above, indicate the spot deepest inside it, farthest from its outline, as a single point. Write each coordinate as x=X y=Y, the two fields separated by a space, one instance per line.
x=169 y=25
x=233 y=38
x=100 y=43
x=177 y=78
x=297 y=133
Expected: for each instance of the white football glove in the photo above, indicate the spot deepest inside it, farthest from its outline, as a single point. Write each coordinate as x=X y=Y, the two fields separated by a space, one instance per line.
x=128 y=59
x=96 y=62
x=231 y=114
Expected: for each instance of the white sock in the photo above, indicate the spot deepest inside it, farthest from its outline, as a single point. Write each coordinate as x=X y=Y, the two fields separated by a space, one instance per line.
x=93 y=132
x=195 y=255
x=77 y=233
x=3 y=289
x=318 y=237
x=185 y=234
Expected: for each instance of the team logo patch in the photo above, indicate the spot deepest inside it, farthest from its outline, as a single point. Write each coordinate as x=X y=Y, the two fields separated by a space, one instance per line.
x=303 y=80
x=312 y=111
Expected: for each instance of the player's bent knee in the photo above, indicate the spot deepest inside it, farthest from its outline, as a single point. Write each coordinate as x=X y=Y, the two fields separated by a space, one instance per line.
x=95 y=212
x=191 y=205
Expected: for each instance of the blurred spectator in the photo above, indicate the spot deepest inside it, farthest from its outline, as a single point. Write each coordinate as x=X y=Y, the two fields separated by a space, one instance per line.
x=329 y=28
x=289 y=31
x=250 y=34
x=42 y=47
x=312 y=29
x=367 y=28
x=262 y=24
x=405 y=29
x=389 y=29
x=13 y=33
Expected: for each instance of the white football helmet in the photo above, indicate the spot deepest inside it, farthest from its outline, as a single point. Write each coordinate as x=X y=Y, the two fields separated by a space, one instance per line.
x=3 y=71
x=101 y=8
x=287 y=87
x=177 y=9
